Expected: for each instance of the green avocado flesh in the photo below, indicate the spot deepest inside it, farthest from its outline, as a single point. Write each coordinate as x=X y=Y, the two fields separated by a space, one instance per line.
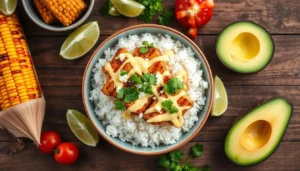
x=245 y=47
x=256 y=136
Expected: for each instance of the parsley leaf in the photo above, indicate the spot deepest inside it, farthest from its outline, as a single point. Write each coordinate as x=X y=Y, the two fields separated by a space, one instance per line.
x=176 y=156
x=152 y=7
x=143 y=50
x=173 y=86
x=168 y=106
x=165 y=17
x=135 y=79
x=164 y=161
x=119 y=105
x=123 y=73
x=149 y=78
x=188 y=167
x=197 y=150
x=129 y=94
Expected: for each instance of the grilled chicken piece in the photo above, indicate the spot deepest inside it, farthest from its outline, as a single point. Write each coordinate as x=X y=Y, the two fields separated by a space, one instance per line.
x=157 y=67
x=109 y=88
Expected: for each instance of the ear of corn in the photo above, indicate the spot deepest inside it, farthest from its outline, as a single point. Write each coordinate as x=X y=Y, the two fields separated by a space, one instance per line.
x=66 y=11
x=44 y=12
x=18 y=83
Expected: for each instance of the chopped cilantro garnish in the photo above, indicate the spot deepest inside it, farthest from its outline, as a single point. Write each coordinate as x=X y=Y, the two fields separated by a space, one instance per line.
x=165 y=17
x=168 y=106
x=143 y=50
x=129 y=94
x=119 y=105
x=146 y=89
x=173 y=86
x=135 y=79
x=123 y=73
x=152 y=7
x=149 y=78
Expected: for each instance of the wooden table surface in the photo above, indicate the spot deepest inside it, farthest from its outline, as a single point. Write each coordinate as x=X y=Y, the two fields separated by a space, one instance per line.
x=61 y=83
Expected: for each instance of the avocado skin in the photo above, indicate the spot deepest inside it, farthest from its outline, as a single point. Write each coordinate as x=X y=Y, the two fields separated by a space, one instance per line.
x=278 y=142
x=247 y=21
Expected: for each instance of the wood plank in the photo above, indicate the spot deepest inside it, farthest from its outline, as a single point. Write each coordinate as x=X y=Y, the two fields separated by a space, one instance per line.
x=241 y=99
x=283 y=69
x=107 y=157
x=279 y=17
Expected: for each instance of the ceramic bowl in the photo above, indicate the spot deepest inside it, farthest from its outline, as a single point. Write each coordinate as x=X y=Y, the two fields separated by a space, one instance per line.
x=112 y=41
x=35 y=16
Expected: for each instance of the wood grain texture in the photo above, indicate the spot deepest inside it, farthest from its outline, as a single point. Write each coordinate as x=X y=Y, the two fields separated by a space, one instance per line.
x=61 y=83
x=105 y=157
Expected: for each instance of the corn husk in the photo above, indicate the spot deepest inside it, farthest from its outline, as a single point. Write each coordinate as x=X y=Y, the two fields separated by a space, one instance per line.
x=25 y=119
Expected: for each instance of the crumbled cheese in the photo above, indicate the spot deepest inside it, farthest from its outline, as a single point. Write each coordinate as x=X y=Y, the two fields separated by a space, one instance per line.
x=122 y=57
x=118 y=89
x=158 y=109
x=141 y=95
x=141 y=115
x=146 y=59
x=154 y=98
x=158 y=78
x=138 y=86
x=161 y=91
x=123 y=78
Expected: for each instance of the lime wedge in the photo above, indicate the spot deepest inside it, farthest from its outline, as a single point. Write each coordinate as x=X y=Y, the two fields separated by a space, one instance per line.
x=220 y=98
x=82 y=127
x=80 y=41
x=113 y=11
x=128 y=8
x=8 y=7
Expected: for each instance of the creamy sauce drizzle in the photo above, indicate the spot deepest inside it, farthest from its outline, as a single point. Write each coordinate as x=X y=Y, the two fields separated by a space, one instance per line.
x=140 y=66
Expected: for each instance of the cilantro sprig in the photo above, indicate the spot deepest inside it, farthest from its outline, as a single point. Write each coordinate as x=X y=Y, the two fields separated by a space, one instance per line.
x=119 y=105
x=149 y=78
x=172 y=160
x=135 y=79
x=173 y=86
x=129 y=94
x=169 y=107
x=123 y=73
x=146 y=47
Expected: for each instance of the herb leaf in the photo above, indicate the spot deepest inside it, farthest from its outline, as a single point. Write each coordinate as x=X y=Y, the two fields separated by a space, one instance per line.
x=173 y=86
x=123 y=73
x=188 y=167
x=149 y=78
x=143 y=50
x=119 y=105
x=129 y=94
x=135 y=79
x=176 y=156
x=152 y=7
x=146 y=89
x=164 y=161
x=168 y=106
x=165 y=17
x=197 y=150
x=105 y=9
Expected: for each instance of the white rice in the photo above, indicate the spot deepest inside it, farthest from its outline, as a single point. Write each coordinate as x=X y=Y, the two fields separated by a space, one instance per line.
x=136 y=130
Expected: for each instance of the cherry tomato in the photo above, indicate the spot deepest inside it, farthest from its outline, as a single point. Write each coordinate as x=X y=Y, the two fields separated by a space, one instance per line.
x=66 y=153
x=193 y=13
x=49 y=141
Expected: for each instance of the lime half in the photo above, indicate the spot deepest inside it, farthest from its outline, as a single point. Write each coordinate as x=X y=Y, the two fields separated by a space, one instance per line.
x=82 y=127
x=80 y=41
x=8 y=7
x=128 y=8
x=220 y=98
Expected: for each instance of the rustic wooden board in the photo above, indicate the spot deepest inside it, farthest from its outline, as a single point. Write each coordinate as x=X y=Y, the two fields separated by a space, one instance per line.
x=61 y=83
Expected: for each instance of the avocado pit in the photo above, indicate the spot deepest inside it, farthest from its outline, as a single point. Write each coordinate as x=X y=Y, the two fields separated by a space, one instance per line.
x=245 y=46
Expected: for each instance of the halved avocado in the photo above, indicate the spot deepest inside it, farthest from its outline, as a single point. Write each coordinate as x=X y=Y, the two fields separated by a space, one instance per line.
x=256 y=136
x=245 y=47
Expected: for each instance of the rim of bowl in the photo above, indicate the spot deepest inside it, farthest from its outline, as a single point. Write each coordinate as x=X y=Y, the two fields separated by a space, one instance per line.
x=60 y=29
x=211 y=85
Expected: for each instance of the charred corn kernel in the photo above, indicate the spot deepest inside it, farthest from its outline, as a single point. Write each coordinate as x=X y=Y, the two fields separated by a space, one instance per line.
x=66 y=11
x=44 y=12
x=17 y=78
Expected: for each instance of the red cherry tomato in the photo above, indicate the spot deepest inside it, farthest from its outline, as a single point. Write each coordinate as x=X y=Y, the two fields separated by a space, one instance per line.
x=193 y=13
x=66 y=153
x=49 y=141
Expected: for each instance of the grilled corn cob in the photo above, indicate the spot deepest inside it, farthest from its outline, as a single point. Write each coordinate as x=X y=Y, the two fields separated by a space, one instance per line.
x=44 y=12
x=17 y=78
x=66 y=11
